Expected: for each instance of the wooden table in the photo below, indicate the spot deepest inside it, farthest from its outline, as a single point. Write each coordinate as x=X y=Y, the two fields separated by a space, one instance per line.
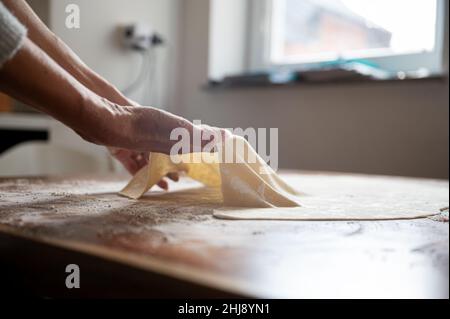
x=169 y=245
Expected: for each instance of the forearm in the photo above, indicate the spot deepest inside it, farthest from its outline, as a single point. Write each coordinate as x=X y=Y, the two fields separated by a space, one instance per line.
x=50 y=77
x=34 y=78
x=62 y=54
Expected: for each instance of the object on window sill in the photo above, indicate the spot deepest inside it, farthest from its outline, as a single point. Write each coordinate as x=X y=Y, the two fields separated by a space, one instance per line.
x=338 y=70
x=257 y=79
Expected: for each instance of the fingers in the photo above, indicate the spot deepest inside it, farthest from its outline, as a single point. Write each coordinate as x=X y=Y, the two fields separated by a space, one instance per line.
x=132 y=161
x=163 y=184
x=141 y=159
x=130 y=165
x=174 y=176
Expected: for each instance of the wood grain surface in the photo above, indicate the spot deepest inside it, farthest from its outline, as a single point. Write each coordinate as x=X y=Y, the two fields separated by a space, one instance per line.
x=170 y=245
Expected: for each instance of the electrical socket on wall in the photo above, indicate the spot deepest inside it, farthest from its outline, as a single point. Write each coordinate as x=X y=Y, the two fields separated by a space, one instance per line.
x=140 y=36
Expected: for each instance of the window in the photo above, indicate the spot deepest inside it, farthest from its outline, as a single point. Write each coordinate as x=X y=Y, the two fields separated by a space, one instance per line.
x=394 y=35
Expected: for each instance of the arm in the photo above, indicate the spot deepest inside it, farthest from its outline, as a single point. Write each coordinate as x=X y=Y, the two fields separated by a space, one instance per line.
x=62 y=54
x=33 y=77
x=58 y=51
x=69 y=61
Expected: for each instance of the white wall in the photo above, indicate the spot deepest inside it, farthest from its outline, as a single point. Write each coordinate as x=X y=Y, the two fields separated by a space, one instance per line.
x=385 y=128
x=227 y=38
x=97 y=42
x=41 y=8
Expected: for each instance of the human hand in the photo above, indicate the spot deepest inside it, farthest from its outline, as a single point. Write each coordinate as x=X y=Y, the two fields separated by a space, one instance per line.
x=144 y=129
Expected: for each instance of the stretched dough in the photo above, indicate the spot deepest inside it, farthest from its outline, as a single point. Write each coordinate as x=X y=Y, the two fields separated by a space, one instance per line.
x=242 y=183
x=252 y=185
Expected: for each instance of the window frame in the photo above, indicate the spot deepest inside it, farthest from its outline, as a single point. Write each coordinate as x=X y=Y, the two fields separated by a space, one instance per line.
x=259 y=49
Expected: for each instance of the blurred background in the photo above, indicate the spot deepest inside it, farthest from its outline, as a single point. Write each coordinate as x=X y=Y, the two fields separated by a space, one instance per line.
x=353 y=85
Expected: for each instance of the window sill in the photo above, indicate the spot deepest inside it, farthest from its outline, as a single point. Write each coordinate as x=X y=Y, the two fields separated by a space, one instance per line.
x=229 y=85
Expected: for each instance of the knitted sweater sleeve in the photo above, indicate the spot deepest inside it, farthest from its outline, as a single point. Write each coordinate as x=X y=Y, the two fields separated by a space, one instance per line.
x=12 y=34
